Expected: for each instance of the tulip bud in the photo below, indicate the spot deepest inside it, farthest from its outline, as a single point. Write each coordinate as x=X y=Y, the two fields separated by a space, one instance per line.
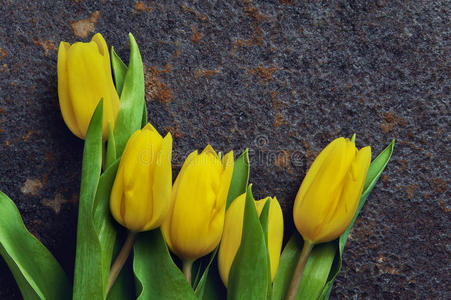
x=233 y=228
x=195 y=221
x=141 y=192
x=329 y=195
x=84 y=77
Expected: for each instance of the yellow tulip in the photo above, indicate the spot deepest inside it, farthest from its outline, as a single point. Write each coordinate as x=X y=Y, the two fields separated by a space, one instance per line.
x=195 y=221
x=141 y=193
x=233 y=227
x=328 y=197
x=84 y=77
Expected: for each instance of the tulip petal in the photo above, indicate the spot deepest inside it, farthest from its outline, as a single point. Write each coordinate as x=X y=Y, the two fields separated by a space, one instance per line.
x=162 y=183
x=63 y=90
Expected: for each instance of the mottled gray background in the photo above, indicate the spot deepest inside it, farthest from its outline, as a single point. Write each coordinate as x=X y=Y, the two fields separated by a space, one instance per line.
x=282 y=77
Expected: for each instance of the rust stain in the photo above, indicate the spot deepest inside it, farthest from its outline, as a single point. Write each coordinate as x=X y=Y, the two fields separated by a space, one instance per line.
x=282 y=161
x=32 y=187
x=56 y=203
x=155 y=88
x=197 y=35
x=2 y=53
x=142 y=7
x=195 y=12
x=264 y=74
x=206 y=73
x=27 y=135
x=174 y=130
x=310 y=153
x=4 y=68
x=276 y=105
x=439 y=185
x=177 y=53
x=391 y=121
x=385 y=178
x=411 y=189
x=83 y=28
x=257 y=38
x=445 y=207
x=47 y=45
x=404 y=165
x=288 y=2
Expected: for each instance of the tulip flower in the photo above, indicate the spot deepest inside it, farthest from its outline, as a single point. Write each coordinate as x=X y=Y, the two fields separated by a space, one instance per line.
x=233 y=227
x=141 y=192
x=195 y=221
x=84 y=77
x=328 y=197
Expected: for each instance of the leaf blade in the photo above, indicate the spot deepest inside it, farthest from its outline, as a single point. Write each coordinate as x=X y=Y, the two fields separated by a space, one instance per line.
x=37 y=273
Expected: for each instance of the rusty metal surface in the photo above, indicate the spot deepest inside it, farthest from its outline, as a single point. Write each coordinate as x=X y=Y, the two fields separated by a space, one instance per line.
x=283 y=78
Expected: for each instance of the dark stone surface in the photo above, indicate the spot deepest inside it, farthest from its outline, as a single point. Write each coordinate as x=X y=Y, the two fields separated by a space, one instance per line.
x=283 y=78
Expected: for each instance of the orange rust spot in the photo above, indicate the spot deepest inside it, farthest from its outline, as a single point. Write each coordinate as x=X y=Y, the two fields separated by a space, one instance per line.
x=197 y=35
x=276 y=105
x=444 y=206
x=177 y=53
x=83 y=28
x=264 y=74
x=439 y=185
x=195 y=12
x=404 y=165
x=282 y=161
x=2 y=53
x=27 y=135
x=56 y=203
x=4 y=68
x=206 y=73
x=32 y=187
x=391 y=121
x=174 y=130
x=257 y=38
x=47 y=45
x=287 y=2
x=142 y=7
x=155 y=89
x=411 y=189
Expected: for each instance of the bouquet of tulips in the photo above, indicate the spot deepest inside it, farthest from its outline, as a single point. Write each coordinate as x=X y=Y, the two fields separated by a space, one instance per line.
x=141 y=236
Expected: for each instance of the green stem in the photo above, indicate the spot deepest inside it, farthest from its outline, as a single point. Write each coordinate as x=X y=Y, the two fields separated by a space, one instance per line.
x=187 y=267
x=121 y=259
x=297 y=275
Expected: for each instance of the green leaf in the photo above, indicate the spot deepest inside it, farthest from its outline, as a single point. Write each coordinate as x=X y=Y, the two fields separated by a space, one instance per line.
x=374 y=172
x=111 y=148
x=287 y=264
x=264 y=221
x=213 y=287
x=200 y=286
x=316 y=271
x=240 y=177
x=249 y=274
x=119 y=71
x=144 y=117
x=158 y=277
x=88 y=254
x=102 y=220
x=37 y=273
x=130 y=114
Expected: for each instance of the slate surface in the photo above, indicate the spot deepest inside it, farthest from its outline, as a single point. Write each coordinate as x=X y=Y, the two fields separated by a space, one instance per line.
x=283 y=78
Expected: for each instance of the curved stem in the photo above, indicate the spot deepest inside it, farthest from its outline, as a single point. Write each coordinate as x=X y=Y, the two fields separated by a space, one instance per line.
x=297 y=275
x=121 y=259
x=187 y=267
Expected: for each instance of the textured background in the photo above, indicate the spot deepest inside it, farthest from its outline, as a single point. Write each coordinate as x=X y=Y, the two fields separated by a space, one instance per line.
x=283 y=78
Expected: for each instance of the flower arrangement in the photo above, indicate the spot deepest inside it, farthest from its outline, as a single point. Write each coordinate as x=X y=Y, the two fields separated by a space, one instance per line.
x=204 y=236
